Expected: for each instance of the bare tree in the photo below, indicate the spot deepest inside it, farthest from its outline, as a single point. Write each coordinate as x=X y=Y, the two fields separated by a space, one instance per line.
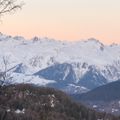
x=8 y=6
x=5 y=72
x=5 y=63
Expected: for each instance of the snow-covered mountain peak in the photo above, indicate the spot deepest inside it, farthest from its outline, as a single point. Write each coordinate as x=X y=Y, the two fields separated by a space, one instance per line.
x=30 y=56
x=94 y=42
x=4 y=37
x=114 y=45
x=0 y=33
x=91 y=51
x=18 y=38
x=93 y=39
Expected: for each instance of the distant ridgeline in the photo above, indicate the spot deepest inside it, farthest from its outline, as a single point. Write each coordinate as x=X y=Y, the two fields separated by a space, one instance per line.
x=73 y=67
x=104 y=98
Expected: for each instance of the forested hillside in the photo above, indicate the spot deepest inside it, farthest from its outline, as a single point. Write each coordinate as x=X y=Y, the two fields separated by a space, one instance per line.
x=27 y=102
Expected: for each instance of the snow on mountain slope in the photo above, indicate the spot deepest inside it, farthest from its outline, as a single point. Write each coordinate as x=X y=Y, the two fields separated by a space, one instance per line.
x=27 y=57
x=29 y=79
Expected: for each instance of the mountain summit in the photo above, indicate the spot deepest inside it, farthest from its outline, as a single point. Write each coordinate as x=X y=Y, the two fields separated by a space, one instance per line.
x=41 y=60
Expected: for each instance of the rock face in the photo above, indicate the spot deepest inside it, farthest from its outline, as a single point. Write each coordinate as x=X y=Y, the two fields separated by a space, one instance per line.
x=92 y=79
x=59 y=72
x=46 y=62
x=27 y=102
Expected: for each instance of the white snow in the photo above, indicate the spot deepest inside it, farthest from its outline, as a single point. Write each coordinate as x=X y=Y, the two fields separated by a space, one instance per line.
x=29 y=79
x=52 y=97
x=52 y=103
x=39 y=53
x=8 y=110
x=20 y=111
x=114 y=110
x=94 y=106
x=74 y=89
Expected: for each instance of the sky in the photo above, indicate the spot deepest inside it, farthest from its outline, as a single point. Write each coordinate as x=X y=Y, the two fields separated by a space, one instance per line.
x=66 y=20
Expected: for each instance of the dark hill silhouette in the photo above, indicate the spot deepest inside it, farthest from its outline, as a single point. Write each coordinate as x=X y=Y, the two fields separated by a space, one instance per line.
x=107 y=93
x=27 y=102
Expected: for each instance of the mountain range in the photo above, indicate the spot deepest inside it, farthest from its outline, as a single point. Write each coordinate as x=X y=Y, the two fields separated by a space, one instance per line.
x=74 y=67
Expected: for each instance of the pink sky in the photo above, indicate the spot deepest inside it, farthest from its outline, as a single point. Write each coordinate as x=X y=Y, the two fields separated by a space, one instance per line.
x=66 y=20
